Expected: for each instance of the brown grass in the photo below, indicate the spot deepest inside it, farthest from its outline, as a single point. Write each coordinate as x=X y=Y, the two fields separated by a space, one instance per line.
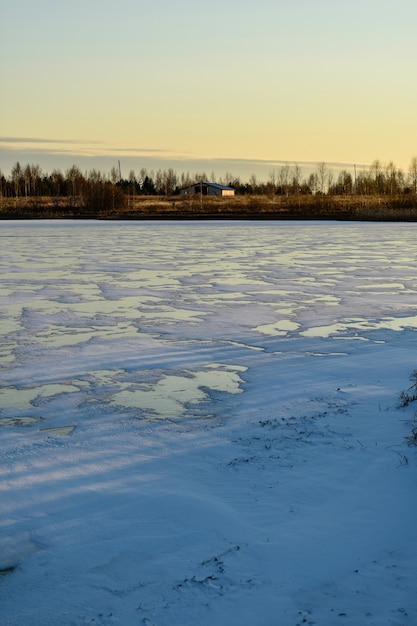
x=238 y=207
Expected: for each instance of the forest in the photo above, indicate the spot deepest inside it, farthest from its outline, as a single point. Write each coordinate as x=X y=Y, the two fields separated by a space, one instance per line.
x=380 y=191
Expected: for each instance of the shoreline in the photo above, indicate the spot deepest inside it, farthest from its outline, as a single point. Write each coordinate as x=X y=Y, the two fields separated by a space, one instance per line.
x=247 y=207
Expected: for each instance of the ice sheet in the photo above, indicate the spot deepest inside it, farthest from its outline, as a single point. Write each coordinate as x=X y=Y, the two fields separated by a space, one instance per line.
x=199 y=423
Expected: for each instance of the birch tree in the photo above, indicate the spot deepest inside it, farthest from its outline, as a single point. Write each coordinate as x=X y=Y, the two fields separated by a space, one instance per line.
x=412 y=174
x=322 y=177
x=16 y=175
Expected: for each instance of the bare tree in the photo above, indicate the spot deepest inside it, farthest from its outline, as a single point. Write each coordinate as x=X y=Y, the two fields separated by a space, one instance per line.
x=16 y=175
x=344 y=183
x=284 y=175
x=253 y=184
x=170 y=181
x=185 y=180
x=378 y=176
x=322 y=177
x=35 y=178
x=159 y=182
x=74 y=177
x=27 y=176
x=114 y=175
x=272 y=184
x=412 y=174
x=143 y=173
x=57 y=180
x=330 y=179
x=296 y=178
x=227 y=179
x=132 y=185
x=200 y=177
x=312 y=183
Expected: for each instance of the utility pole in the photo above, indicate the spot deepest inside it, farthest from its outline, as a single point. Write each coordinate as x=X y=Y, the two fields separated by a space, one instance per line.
x=120 y=172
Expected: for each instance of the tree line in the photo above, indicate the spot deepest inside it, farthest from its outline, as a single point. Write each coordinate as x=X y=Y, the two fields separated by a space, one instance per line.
x=95 y=189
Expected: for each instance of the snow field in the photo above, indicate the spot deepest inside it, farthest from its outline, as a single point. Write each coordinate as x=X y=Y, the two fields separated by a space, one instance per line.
x=199 y=423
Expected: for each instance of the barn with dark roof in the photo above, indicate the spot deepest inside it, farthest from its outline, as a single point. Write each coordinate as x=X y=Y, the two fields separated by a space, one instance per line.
x=206 y=188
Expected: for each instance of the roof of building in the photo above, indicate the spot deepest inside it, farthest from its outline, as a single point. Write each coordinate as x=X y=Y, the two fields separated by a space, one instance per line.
x=209 y=184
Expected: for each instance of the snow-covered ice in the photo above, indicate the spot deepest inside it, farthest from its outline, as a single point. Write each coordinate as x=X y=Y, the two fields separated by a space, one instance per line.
x=200 y=424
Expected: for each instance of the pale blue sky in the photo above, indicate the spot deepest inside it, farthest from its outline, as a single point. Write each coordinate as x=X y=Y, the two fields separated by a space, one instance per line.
x=184 y=83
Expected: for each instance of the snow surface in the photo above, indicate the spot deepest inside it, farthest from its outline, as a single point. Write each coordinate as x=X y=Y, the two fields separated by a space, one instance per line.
x=200 y=424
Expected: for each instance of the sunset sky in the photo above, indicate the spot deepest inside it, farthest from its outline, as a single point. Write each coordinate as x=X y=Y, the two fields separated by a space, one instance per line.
x=225 y=85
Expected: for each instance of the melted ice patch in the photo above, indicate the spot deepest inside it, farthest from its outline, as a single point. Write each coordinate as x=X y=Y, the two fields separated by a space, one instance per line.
x=383 y=286
x=283 y=327
x=389 y=323
x=7 y=352
x=59 y=336
x=19 y=421
x=59 y=431
x=169 y=397
x=18 y=398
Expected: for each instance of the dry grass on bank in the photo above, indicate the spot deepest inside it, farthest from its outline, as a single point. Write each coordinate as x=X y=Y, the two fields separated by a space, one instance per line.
x=401 y=208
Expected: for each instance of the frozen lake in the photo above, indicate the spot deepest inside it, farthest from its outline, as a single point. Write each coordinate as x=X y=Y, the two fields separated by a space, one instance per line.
x=150 y=320
x=132 y=353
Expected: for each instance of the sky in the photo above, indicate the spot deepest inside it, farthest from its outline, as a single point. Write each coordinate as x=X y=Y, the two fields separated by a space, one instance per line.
x=229 y=85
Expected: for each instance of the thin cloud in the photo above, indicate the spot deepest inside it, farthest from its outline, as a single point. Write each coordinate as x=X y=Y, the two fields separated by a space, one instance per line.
x=274 y=162
x=19 y=140
x=58 y=154
x=122 y=151
x=100 y=148
x=50 y=145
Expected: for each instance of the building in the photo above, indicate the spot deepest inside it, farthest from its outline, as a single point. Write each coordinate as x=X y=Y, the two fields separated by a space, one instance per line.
x=205 y=188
